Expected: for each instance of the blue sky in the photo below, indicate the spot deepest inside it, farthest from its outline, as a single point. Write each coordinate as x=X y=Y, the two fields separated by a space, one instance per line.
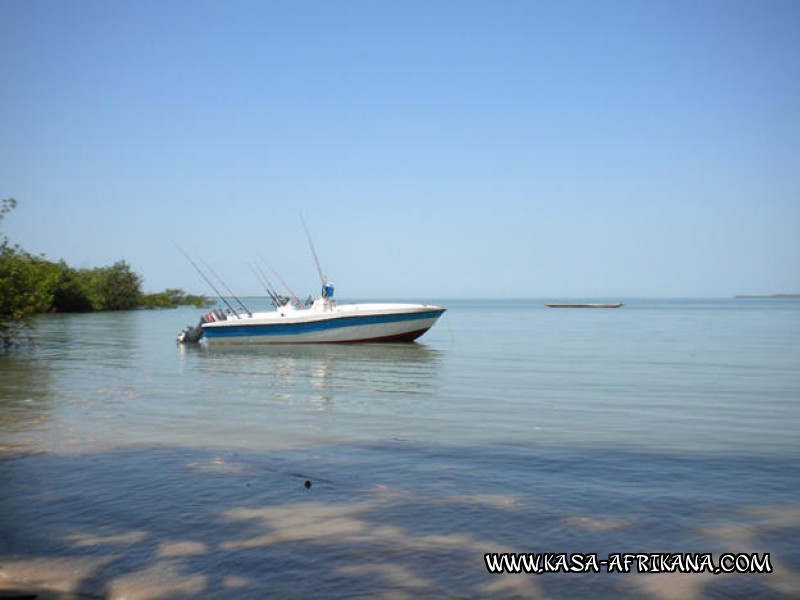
x=436 y=149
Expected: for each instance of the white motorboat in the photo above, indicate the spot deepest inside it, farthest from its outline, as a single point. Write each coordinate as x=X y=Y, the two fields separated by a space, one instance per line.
x=323 y=322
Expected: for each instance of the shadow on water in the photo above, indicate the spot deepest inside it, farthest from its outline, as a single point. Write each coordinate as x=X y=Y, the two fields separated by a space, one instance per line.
x=394 y=520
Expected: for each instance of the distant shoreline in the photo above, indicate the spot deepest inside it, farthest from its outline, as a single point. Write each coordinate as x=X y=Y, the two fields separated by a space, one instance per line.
x=769 y=296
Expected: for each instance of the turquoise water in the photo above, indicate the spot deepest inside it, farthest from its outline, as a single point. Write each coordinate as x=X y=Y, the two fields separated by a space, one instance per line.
x=134 y=467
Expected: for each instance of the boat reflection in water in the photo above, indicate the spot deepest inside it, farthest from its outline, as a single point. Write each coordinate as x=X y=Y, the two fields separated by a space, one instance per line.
x=351 y=372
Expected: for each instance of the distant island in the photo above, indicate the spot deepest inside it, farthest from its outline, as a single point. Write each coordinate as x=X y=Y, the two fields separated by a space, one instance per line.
x=770 y=296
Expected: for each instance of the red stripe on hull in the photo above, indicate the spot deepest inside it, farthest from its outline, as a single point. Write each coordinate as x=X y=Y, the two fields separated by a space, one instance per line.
x=409 y=336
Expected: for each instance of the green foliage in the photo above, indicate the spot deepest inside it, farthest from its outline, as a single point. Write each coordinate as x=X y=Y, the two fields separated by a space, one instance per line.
x=159 y=300
x=172 y=298
x=6 y=206
x=104 y=288
x=27 y=283
x=194 y=300
x=114 y=288
x=72 y=291
x=30 y=285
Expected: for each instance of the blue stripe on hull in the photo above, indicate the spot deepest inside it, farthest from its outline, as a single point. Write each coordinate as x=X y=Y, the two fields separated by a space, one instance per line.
x=230 y=331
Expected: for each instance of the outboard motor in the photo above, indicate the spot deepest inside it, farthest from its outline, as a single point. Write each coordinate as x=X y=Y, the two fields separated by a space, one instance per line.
x=192 y=335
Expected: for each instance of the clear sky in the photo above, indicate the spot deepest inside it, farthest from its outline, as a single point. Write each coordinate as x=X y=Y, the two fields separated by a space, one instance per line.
x=436 y=149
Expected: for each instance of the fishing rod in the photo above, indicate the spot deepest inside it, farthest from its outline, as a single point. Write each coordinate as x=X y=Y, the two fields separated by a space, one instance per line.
x=213 y=272
x=296 y=299
x=279 y=300
x=207 y=280
x=262 y=279
x=323 y=280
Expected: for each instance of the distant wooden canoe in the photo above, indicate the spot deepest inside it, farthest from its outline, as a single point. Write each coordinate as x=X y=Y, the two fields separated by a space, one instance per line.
x=614 y=305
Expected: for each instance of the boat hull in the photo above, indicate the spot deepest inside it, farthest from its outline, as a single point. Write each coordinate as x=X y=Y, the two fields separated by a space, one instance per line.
x=360 y=325
x=613 y=305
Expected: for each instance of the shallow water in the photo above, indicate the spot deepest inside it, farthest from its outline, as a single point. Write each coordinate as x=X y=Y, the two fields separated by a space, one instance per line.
x=134 y=467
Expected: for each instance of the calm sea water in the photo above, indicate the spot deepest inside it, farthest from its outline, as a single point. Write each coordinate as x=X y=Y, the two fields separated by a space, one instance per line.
x=133 y=467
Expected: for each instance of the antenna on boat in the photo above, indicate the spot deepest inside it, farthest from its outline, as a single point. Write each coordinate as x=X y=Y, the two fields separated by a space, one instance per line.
x=227 y=289
x=323 y=280
x=207 y=280
x=274 y=272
